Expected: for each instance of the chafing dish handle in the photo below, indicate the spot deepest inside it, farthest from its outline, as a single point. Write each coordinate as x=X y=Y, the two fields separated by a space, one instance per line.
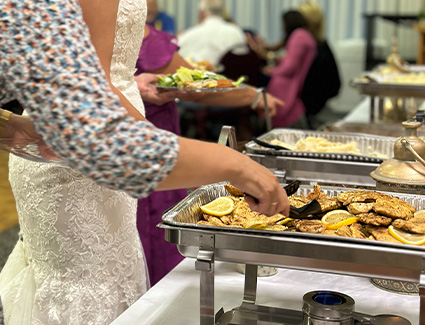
x=228 y=133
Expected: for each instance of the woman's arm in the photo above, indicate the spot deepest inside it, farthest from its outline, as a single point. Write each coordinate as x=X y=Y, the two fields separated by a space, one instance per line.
x=201 y=162
x=96 y=13
x=57 y=76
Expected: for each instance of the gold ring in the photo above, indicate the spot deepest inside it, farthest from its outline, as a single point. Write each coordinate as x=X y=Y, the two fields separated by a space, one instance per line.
x=274 y=203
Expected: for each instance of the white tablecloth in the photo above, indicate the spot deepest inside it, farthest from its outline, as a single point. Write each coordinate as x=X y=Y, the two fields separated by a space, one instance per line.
x=175 y=299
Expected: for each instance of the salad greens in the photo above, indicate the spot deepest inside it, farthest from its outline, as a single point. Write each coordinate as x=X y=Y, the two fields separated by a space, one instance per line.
x=184 y=74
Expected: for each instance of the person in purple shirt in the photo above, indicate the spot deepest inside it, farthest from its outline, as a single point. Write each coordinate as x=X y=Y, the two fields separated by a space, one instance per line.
x=158 y=54
x=287 y=78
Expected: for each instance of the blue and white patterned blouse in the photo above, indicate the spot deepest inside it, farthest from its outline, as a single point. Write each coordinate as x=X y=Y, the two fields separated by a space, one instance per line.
x=49 y=64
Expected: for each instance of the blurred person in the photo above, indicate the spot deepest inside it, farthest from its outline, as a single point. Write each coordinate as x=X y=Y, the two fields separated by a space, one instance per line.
x=79 y=259
x=212 y=37
x=159 y=19
x=322 y=81
x=287 y=77
x=159 y=55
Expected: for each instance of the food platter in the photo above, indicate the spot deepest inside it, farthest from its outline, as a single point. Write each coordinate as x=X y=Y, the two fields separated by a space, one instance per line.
x=187 y=213
x=199 y=90
x=372 y=148
x=34 y=150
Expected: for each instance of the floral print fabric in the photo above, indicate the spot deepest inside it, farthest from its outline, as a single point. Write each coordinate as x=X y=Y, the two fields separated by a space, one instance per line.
x=49 y=64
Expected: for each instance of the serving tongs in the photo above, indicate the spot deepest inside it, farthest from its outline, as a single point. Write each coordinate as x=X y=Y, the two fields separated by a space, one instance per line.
x=307 y=211
x=269 y=145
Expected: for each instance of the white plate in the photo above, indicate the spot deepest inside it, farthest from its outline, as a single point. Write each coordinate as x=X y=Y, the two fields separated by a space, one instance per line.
x=34 y=150
x=200 y=90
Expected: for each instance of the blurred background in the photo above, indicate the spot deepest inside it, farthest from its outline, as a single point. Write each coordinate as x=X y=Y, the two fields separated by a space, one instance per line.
x=346 y=30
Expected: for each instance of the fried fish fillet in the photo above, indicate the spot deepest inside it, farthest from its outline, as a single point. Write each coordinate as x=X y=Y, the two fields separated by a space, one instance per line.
x=373 y=219
x=311 y=226
x=394 y=208
x=316 y=193
x=360 y=196
x=328 y=203
x=358 y=231
x=233 y=190
x=344 y=231
x=357 y=208
x=382 y=234
x=354 y=231
x=298 y=201
x=415 y=225
x=276 y=228
x=214 y=221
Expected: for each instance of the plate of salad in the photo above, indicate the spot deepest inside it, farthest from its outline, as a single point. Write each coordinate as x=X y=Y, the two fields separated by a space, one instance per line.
x=197 y=81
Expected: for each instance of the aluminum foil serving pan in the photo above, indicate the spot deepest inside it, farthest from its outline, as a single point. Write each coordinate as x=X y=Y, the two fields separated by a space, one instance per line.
x=371 y=148
x=187 y=213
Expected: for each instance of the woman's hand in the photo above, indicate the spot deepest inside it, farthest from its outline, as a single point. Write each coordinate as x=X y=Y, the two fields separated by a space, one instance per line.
x=20 y=128
x=149 y=93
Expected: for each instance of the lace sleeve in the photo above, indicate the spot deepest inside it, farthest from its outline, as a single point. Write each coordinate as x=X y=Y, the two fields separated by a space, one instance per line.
x=48 y=63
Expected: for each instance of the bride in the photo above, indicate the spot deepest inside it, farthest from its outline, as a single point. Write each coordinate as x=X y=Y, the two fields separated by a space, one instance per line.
x=79 y=259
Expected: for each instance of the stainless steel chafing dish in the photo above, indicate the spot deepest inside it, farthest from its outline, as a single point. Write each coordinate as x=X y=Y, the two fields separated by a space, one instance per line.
x=322 y=167
x=305 y=251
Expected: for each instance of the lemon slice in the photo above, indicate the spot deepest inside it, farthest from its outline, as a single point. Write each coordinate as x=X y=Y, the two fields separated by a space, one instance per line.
x=219 y=207
x=337 y=218
x=257 y=226
x=406 y=237
x=284 y=221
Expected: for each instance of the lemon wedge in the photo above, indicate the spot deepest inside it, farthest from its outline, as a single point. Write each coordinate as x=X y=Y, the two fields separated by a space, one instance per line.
x=284 y=221
x=337 y=218
x=406 y=237
x=219 y=207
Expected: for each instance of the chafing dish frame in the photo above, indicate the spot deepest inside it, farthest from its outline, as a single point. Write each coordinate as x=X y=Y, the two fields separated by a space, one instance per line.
x=319 y=253
x=381 y=90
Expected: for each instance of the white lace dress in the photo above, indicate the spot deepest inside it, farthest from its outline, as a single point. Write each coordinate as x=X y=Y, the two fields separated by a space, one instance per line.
x=79 y=259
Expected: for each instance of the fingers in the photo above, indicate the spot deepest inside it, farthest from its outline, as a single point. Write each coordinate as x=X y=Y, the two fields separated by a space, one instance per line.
x=270 y=205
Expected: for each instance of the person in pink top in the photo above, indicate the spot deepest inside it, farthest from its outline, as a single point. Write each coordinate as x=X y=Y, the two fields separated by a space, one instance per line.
x=287 y=78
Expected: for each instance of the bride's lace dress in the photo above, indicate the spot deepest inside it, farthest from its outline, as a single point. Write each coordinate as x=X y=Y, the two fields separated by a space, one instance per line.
x=79 y=259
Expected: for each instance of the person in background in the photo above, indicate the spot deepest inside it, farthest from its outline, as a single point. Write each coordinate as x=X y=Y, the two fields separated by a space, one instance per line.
x=159 y=55
x=159 y=19
x=287 y=77
x=212 y=37
x=322 y=81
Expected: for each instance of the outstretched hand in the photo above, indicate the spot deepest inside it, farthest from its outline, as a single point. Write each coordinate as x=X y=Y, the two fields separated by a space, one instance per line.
x=20 y=129
x=272 y=103
x=149 y=93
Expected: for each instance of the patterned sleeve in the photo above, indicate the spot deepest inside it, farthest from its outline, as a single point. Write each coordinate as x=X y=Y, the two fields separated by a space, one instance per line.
x=49 y=64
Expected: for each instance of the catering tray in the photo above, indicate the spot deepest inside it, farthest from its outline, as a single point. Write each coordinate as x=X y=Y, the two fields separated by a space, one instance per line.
x=187 y=213
x=373 y=88
x=366 y=143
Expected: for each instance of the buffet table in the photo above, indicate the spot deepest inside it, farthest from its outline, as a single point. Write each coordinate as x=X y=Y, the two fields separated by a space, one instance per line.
x=175 y=299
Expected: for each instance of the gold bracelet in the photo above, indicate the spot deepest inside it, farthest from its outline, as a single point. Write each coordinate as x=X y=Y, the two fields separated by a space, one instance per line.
x=4 y=120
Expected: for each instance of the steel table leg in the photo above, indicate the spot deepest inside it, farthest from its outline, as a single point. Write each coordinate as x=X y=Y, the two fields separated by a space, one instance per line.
x=250 y=286
x=205 y=264
x=422 y=294
x=372 y=109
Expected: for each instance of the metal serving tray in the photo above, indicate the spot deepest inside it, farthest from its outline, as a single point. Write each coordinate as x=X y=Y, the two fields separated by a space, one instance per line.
x=187 y=213
x=366 y=143
x=387 y=89
x=314 y=252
